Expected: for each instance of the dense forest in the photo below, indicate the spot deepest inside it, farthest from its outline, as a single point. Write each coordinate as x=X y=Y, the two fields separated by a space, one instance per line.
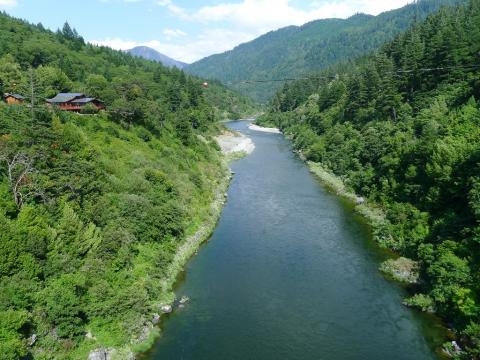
x=94 y=206
x=401 y=127
x=294 y=51
x=63 y=62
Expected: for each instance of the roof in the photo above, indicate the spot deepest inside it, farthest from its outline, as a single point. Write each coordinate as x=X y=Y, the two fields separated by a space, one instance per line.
x=83 y=100
x=65 y=97
x=16 y=96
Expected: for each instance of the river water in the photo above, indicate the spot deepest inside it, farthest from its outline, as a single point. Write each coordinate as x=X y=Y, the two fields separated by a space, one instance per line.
x=290 y=273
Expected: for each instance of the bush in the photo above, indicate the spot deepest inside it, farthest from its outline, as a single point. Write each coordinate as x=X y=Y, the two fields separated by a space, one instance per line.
x=422 y=302
x=89 y=109
x=12 y=346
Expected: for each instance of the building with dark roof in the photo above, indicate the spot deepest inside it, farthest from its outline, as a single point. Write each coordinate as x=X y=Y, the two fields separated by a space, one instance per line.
x=13 y=99
x=75 y=101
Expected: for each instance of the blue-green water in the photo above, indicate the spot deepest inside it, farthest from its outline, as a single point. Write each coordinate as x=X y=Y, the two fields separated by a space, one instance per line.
x=289 y=273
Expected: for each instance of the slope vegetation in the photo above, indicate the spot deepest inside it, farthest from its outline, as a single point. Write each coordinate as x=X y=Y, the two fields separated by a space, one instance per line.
x=94 y=206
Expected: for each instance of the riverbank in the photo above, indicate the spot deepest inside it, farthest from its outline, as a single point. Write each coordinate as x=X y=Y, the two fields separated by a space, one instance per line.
x=233 y=145
x=258 y=264
x=399 y=269
x=144 y=340
x=374 y=216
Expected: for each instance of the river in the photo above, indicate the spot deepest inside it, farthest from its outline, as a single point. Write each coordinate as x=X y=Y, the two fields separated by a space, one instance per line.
x=290 y=273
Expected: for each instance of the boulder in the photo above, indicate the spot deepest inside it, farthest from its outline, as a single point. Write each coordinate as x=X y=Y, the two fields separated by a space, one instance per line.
x=145 y=334
x=32 y=340
x=452 y=349
x=402 y=270
x=457 y=349
x=166 y=309
x=156 y=319
x=101 y=354
x=130 y=356
x=360 y=200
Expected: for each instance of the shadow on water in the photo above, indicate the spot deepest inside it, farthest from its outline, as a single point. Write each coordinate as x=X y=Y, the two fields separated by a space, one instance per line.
x=291 y=272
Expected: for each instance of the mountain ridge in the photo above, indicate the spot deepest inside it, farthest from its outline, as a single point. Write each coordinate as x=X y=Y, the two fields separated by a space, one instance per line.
x=149 y=53
x=294 y=51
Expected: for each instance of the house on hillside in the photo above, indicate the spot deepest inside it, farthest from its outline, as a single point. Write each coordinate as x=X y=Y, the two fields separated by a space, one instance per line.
x=13 y=99
x=75 y=101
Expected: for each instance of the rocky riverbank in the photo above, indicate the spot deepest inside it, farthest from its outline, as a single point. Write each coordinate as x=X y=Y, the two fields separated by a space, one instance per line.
x=402 y=269
x=232 y=144
x=235 y=145
x=150 y=331
x=372 y=214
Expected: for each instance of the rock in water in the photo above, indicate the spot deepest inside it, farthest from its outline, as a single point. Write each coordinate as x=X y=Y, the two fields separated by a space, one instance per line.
x=184 y=300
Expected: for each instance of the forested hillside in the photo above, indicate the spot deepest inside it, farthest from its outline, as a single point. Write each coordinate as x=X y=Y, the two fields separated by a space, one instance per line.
x=401 y=128
x=93 y=207
x=64 y=63
x=295 y=51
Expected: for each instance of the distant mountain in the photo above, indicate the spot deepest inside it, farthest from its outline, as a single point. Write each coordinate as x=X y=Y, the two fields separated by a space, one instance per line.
x=152 y=54
x=298 y=50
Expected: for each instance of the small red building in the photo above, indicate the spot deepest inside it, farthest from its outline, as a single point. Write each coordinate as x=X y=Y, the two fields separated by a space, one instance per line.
x=75 y=101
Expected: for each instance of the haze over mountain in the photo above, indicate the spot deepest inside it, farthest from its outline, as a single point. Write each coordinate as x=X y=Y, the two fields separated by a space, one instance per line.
x=152 y=54
x=298 y=50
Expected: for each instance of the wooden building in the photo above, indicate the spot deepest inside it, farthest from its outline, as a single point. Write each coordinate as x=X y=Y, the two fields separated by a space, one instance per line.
x=13 y=99
x=75 y=101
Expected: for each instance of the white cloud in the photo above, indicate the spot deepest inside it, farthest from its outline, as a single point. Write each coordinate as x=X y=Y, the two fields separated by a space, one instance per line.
x=172 y=33
x=8 y=3
x=266 y=15
x=208 y=42
x=116 y=43
x=174 y=9
x=125 y=1
x=226 y=25
x=272 y=14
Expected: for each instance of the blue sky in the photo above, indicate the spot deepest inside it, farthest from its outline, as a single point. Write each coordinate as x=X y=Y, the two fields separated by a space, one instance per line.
x=184 y=30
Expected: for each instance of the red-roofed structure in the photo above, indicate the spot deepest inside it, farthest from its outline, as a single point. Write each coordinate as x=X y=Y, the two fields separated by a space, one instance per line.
x=75 y=101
